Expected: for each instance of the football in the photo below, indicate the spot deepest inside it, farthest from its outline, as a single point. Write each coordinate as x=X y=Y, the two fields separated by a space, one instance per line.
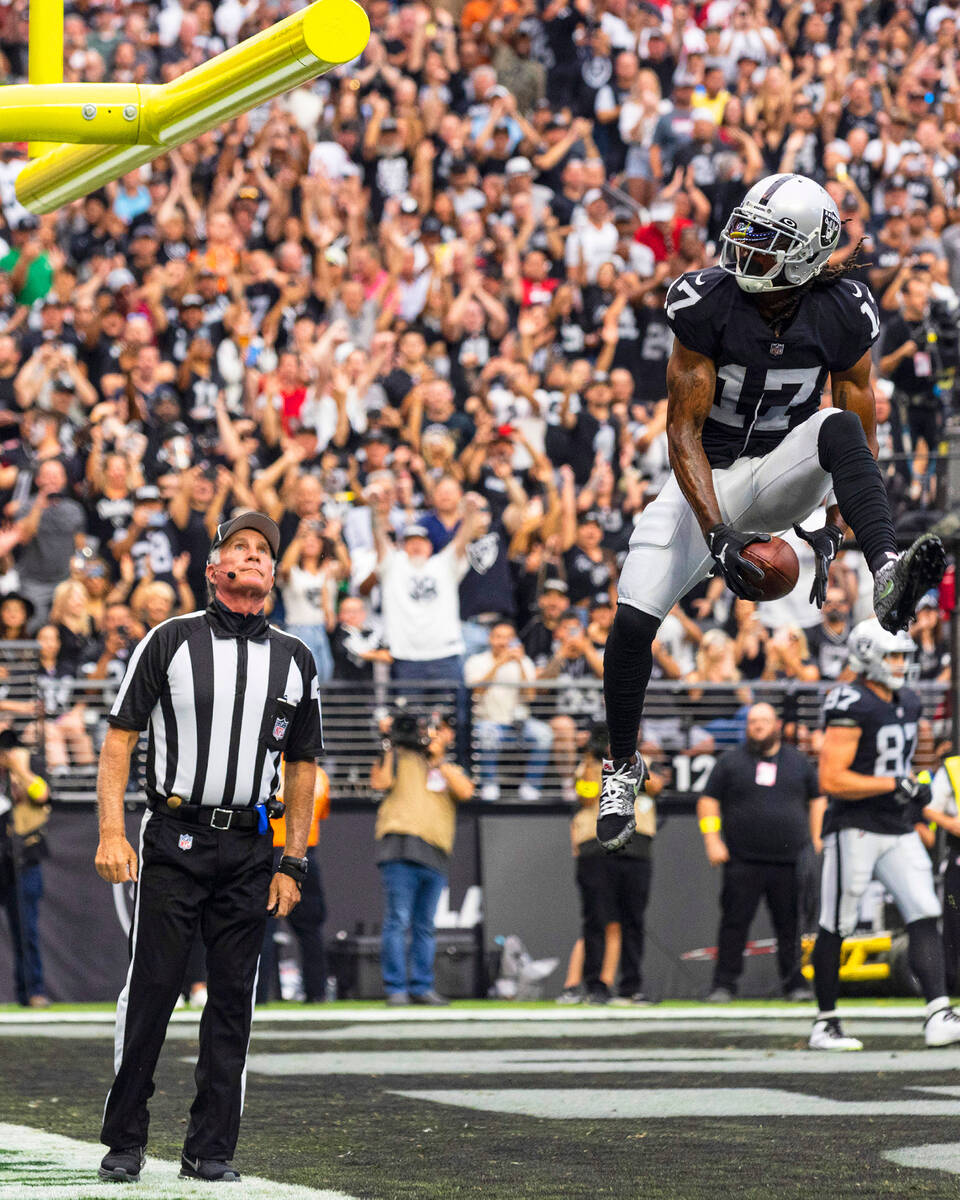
x=778 y=561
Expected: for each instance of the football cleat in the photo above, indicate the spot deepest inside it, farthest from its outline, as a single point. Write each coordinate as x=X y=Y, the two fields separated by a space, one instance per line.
x=827 y=1034
x=899 y=584
x=942 y=1028
x=622 y=783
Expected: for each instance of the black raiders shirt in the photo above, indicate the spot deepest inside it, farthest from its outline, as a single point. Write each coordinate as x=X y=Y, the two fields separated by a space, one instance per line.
x=888 y=739
x=766 y=385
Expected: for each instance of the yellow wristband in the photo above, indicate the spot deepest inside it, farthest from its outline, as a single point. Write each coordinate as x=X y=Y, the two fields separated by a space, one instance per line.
x=710 y=824
x=38 y=789
x=586 y=789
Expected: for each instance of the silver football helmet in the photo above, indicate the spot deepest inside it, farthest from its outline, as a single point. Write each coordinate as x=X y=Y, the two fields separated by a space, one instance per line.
x=869 y=645
x=781 y=235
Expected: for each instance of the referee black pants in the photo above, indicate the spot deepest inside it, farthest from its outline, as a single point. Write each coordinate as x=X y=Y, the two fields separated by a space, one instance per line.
x=191 y=878
x=744 y=884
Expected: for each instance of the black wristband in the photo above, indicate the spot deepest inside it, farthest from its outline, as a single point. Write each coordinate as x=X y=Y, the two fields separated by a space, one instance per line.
x=296 y=868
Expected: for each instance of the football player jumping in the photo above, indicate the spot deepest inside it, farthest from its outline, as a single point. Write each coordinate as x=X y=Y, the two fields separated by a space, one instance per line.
x=751 y=449
x=874 y=803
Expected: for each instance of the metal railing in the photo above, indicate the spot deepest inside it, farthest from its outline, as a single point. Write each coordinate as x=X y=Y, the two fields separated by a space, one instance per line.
x=529 y=758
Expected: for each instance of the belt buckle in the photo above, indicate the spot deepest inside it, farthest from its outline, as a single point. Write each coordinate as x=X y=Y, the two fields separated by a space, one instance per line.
x=227 y=815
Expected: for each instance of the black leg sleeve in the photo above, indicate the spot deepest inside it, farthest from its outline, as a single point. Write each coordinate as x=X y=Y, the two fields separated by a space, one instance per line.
x=826 y=969
x=926 y=957
x=858 y=485
x=627 y=662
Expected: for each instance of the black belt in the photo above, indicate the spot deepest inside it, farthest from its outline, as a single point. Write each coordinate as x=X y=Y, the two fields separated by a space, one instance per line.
x=215 y=818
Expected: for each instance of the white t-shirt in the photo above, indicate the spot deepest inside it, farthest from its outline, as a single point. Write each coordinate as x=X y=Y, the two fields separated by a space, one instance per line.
x=593 y=246
x=502 y=701
x=303 y=596
x=421 y=604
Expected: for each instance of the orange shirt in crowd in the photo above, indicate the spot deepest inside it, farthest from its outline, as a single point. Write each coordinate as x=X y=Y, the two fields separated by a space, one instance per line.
x=321 y=810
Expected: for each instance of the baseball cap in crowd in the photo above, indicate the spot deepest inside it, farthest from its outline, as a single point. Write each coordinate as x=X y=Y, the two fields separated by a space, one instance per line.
x=147 y=493
x=683 y=79
x=413 y=531
x=929 y=600
x=555 y=585
x=519 y=166
x=28 y=223
x=590 y=518
x=502 y=127
x=145 y=230
x=591 y=196
x=527 y=28
x=600 y=600
x=247 y=193
x=249 y=520
x=192 y=300
x=431 y=226
x=459 y=166
x=388 y=125
x=63 y=383
x=119 y=278
x=376 y=435
x=662 y=211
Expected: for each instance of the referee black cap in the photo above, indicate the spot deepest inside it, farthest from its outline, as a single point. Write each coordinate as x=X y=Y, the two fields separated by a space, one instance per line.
x=249 y=520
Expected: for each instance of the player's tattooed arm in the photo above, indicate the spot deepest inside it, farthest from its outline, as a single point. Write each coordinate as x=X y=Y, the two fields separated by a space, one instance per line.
x=852 y=390
x=691 y=381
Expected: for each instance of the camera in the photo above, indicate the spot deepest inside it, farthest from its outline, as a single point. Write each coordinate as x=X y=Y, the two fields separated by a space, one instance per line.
x=409 y=732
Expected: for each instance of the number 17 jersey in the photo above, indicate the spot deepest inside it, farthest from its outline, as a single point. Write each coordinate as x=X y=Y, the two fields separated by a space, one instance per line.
x=767 y=383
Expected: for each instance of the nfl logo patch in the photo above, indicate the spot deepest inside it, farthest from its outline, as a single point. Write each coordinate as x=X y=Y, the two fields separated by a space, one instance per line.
x=776 y=349
x=279 y=728
x=186 y=841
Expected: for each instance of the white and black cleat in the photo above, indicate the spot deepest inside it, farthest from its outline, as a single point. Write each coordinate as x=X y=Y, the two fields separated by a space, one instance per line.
x=827 y=1034
x=942 y=1028
x=899 y=584
x=621 y=783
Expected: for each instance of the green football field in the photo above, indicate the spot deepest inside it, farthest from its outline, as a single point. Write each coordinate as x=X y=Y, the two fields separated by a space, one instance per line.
x=509 y=1102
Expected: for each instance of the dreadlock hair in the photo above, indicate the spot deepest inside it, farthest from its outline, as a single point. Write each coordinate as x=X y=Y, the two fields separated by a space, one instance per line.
x=783 y=308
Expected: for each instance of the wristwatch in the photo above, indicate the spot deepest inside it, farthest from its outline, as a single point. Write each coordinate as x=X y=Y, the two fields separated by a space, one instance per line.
x=296 y=868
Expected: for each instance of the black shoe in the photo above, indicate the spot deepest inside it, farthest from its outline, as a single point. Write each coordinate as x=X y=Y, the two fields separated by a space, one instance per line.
x=123 y=1166
x=212 y=1170
x=431 y=999
x=900 y=583
x=622 y=782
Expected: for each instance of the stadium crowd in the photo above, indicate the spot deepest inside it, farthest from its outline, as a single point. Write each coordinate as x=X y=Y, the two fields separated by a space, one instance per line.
x=428 y=289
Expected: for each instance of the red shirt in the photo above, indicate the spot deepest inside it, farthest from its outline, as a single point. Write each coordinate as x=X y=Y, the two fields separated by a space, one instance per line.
x=651 y=235
x=537 y=291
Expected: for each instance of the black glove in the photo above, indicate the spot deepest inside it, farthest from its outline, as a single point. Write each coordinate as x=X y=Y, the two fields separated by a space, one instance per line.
x=825 y=543
x=912 y=791
x=726 y=546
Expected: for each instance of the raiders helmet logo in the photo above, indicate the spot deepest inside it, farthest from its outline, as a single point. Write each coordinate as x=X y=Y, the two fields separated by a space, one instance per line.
x=829 y=228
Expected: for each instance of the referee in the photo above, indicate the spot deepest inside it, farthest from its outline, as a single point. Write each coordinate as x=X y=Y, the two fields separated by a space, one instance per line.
x=224 y=695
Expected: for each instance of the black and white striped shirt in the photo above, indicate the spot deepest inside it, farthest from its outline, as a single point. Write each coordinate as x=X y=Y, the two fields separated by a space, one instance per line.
x=221 y=709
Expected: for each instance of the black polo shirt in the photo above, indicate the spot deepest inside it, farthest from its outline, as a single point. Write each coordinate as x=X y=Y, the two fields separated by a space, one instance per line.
x=763 y=802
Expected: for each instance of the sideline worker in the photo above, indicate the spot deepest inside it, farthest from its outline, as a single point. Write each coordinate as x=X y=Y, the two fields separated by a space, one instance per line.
x=225 y=695
x=944 y=808
x=768 y=796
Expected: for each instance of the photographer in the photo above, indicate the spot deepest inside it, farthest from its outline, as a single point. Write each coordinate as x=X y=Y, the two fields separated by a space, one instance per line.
x=415 y=829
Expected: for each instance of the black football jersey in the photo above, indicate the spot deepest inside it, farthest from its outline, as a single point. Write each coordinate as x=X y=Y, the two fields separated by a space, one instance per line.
x=888 y=739
x=766 y=384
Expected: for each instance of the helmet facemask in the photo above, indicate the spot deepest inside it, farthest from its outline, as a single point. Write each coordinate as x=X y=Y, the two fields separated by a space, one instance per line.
x=763 y=254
